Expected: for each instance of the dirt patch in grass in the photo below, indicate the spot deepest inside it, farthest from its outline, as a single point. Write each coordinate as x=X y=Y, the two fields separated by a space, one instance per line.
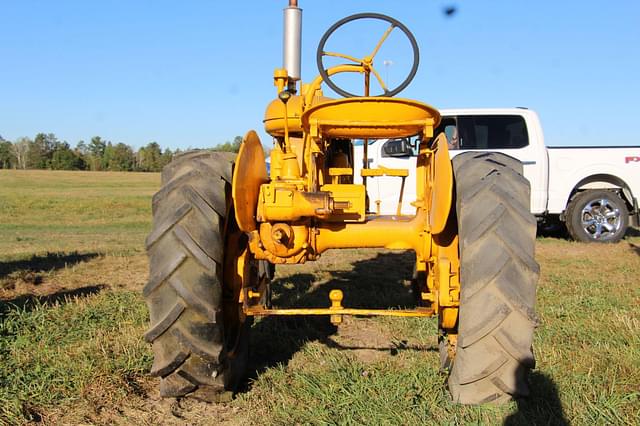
x=367 y=340
x=143 y=406
x=371 y=340
x=55 y=276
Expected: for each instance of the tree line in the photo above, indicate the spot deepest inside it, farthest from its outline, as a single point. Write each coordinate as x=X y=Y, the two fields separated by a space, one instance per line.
x=45 y=151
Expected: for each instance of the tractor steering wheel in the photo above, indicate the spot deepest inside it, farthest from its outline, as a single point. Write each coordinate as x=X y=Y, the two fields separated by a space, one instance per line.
x=367 y=62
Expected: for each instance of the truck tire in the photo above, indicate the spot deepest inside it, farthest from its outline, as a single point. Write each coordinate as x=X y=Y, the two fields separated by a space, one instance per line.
x=198 y=335
x=598 y=216
x=498 y=276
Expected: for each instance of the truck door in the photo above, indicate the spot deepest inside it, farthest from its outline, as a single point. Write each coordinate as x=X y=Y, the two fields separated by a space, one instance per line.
x=508 y=134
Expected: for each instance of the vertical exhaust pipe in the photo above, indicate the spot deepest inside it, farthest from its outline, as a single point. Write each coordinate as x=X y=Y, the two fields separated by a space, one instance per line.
x=292 y=47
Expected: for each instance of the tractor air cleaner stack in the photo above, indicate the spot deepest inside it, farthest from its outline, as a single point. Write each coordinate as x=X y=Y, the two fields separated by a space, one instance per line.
x=292 y=40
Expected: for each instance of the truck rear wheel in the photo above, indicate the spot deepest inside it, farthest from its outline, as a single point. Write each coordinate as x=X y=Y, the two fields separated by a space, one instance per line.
x=498 y=276
x=198 y=332
x=599 y=216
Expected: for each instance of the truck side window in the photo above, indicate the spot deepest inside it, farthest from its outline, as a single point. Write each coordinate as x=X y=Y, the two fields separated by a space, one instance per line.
x=492 y=132
x=448 y=126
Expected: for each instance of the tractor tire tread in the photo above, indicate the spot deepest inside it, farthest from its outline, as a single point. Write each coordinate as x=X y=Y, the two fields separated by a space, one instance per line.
x=498 y=279
x=155 y=330
x=184 y=291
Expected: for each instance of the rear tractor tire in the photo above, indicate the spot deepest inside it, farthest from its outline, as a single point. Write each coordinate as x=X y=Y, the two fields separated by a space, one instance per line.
x=198 y=332
x=498 y=274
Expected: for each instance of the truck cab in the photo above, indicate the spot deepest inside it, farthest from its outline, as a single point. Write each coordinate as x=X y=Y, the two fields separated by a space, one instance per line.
x=515 y=132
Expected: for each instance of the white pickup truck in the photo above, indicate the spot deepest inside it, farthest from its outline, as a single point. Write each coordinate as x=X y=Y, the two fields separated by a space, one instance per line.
x=593 y=190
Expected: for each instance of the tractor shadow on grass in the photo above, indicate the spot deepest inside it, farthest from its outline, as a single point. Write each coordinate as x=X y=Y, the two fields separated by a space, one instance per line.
x=32 y=272
x=28 y=302
x=381 y=282
x=43 y=263
x=542 y=407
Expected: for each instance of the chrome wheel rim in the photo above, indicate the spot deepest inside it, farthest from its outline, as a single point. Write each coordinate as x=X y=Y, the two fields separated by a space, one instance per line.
x=601 y=219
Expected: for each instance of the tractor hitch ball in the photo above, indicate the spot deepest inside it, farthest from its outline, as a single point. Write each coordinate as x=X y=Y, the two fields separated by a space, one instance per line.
x=336 y=297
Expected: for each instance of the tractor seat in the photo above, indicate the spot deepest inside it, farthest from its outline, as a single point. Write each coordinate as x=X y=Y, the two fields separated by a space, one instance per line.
x=370 y=118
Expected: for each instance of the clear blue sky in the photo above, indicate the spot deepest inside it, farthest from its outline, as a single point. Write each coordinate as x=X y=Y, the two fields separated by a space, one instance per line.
x=197 y=73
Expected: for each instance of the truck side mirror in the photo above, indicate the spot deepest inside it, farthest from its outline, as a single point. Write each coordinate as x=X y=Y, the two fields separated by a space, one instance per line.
x=397 y=148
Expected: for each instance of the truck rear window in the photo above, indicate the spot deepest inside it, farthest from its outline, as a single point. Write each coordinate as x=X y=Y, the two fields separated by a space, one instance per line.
x=486 y=132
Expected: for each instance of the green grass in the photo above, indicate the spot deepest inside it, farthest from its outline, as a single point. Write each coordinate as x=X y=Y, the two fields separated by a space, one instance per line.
x=44 y=211
x=52 y=353
x=72 y=318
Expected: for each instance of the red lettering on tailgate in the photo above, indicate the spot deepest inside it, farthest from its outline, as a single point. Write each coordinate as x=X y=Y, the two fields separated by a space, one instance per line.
x=628 y=160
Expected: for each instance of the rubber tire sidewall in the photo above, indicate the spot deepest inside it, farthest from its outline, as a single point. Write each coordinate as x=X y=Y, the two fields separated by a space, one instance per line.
x=499 y=275
x=574 y=213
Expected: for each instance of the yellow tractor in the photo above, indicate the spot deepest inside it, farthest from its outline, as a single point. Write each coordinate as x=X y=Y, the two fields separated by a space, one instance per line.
x=220 y=223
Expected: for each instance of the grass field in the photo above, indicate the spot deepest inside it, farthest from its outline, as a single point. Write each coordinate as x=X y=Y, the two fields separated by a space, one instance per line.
x=72 y=266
